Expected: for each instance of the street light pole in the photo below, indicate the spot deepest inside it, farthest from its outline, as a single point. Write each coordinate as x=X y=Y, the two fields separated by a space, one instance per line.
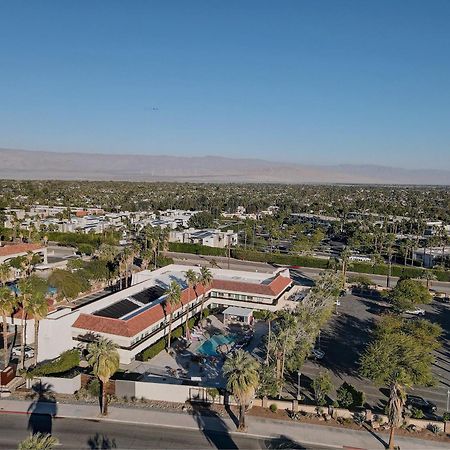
x=298 y=385
x=448 y=400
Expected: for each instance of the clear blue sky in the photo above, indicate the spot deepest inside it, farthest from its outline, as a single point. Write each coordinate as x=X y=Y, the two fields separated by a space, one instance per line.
x=362 y=81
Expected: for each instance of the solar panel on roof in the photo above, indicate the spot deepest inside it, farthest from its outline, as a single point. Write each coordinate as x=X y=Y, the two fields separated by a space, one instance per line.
x=117 y=309
x=149 y=295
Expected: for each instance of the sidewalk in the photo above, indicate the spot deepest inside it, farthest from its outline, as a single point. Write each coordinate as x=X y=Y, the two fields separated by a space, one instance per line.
x=304 y=433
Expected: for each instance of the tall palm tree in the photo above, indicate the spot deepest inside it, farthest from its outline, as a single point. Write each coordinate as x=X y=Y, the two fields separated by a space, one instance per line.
x=104 y=359
x=30 y=288
x=268 y=316
x=428 y=276
x=241 y=370
x=25 y=295
x=345 y=257
x=38 y=307
x=191 y=280
x=173 y=300
x=205 y=279
x=8 y=302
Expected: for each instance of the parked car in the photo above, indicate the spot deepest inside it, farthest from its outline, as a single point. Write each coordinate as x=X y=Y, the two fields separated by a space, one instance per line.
x=17 y=351
x=414 y=401
x=416 y=312
x=317 y=354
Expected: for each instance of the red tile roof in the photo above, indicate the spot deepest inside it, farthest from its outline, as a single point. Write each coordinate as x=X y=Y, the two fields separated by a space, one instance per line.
x=14 y=249
x=136 y=324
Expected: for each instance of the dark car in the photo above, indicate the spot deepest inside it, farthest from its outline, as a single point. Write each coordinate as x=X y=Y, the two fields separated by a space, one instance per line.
x=413 y=401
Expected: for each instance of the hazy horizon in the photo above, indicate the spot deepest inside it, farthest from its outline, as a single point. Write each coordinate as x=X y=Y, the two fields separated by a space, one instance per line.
x=322 y=83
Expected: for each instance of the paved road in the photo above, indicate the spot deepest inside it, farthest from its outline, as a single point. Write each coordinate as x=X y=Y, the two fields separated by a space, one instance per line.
x=91 y=434
x=190 y=259
x=307 y=272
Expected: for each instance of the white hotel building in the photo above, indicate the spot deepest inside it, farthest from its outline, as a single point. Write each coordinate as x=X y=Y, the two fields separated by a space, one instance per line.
x=137 y=317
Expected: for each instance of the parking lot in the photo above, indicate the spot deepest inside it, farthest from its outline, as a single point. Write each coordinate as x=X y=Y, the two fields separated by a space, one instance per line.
x=346 y=337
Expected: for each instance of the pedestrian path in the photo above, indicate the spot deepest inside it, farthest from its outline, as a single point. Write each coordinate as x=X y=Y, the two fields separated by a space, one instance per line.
x=299 y=432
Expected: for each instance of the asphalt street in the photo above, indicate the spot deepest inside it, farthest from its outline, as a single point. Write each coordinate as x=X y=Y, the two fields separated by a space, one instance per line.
x=93 y=434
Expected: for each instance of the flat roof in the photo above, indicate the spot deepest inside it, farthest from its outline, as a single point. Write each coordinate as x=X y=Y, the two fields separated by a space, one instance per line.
x=236 y=311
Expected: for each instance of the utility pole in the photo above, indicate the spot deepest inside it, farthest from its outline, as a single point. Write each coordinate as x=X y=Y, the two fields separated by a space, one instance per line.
x=299 y=374
x=448 y=400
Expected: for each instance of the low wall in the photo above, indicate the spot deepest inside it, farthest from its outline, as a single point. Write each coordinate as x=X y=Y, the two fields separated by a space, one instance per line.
x=160 y=391
x=424 y=423
x=62 y=385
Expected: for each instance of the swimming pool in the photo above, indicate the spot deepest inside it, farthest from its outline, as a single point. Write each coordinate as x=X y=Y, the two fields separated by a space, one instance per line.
x=209 y=347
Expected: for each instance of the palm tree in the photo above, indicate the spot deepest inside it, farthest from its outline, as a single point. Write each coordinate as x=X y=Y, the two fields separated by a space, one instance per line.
x=173 y=300
x=429 y=276
x=38 y=307
x=241 y=370
x=25 y=295
x=104 y=359
x=191 y=280
x=7 y=304
x=345 y=256
x=30 y=288
x=39 y=441
x=268 y=316
x=5 y=272
x=205 y=280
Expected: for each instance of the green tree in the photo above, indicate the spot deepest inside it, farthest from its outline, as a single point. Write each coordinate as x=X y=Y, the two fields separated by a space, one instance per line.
x=8 y=303
x=104 y=359
x=322 y=386
x=400 y=356
x=173 y=300
x=191 y=280
x=241 y=371
x=407 y=294
x=203 y=219
x=38 y=441
x=268 y=316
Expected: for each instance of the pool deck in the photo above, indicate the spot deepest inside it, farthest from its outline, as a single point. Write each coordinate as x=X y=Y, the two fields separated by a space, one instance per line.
x=182 y=363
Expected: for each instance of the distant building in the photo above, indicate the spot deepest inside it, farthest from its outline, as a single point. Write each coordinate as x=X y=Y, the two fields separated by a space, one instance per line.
x=430 y=257
x=208 y=237
x=10 y=251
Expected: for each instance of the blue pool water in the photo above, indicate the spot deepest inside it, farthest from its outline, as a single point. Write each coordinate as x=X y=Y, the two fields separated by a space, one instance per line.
x=208 y=348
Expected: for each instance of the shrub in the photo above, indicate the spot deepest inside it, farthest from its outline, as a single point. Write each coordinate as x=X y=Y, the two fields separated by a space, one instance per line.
x=93 y=388
x=417 y=413
x=344 y=397
x=273 y=407
x=433 y=428
x=213 y=393
x=65 y=362
x=349 y=397
x=446 y=416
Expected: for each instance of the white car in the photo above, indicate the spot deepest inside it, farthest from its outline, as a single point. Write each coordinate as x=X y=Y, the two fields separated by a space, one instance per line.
x=317 y=354
x=416 y=312
x=17 y=351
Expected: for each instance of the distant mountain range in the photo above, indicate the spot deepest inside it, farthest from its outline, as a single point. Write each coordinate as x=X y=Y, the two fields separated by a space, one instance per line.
x=29 y=165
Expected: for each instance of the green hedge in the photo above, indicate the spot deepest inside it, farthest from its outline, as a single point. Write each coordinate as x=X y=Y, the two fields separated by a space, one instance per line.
x=197 y=249
x=75 y=239
x=160 y=345
x=277 y=258
x=397 y=271
x=65 y=362
x=303 y=261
